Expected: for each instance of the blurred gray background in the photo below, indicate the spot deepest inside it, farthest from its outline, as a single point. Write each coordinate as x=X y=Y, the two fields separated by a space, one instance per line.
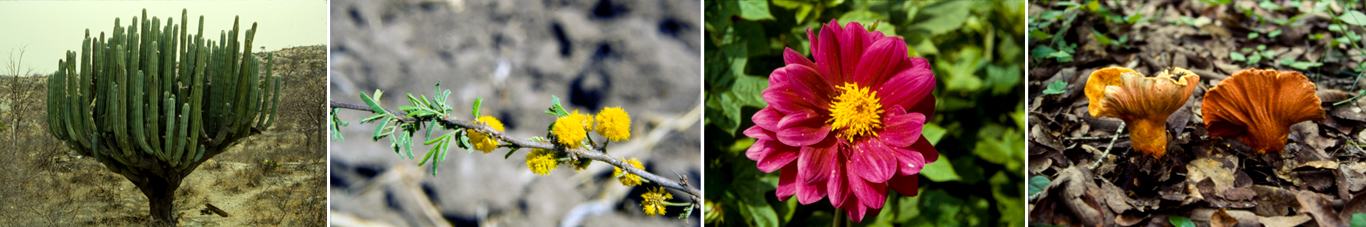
x=640 y=55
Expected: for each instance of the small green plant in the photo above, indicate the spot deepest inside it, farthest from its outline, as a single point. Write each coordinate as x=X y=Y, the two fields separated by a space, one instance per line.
x=1057 y=87
x=1180 y=221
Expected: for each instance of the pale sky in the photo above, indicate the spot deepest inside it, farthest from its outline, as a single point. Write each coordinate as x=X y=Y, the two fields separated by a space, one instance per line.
x=50 y=28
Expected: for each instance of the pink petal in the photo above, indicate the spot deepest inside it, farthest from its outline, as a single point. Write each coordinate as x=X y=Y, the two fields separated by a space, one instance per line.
x=809 y=86
x=776 y=157
x=766 y=119
x=810 y=35
x=852 y=43
x=906 y=185
x=787 y=183
x=871 y=195
x=802 y=128
x=926 y=149
x=854 y=210
x=792 y=57
x=777 y=80
x=926 y=106
x=771 y=155
x=909 y=161
x=901 y=129
x=907 y=88
x=787 y=101
x=829 y=60
x=872 y=161
x=880 y=61
x=808 y=193
x=838 y=184
x=815 y=162
x=919 y=63
x=760 y=133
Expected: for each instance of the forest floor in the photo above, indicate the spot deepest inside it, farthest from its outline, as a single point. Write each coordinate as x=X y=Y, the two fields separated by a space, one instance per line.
x=1317 y=180
x=642 y=56
x=271 y=179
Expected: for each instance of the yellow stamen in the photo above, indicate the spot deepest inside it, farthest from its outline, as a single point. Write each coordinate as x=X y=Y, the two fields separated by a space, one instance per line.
x=856 y=112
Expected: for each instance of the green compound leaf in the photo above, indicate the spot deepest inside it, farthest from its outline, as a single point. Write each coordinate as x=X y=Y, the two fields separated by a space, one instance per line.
x=374 y=106
x=1057 y=87
x=555 y=107
x=477 y=101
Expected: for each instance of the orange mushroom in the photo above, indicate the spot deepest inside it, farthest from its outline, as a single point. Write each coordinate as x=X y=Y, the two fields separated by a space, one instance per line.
x=1144 y=103
x=1258 y=106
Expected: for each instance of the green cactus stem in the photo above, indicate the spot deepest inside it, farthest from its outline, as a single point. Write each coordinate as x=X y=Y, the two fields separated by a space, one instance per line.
x=153 y=102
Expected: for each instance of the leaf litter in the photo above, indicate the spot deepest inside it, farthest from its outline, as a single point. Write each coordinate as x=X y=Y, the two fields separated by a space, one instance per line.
x=1317 y=180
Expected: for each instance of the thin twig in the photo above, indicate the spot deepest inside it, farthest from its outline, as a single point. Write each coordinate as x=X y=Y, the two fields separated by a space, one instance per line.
x=1108 y=147
x=595 y=153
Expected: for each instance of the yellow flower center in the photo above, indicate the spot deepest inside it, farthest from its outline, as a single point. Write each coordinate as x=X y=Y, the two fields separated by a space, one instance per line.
x=856 y=112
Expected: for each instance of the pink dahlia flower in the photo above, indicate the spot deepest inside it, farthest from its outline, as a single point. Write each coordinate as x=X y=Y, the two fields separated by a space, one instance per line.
x=848 y=125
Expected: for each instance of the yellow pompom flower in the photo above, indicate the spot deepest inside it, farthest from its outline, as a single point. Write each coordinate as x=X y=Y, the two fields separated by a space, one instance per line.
x=484 y=142
x=569 y=130
x=541 y=161
x=627 y=178
x=654 y=201
x=614 y=123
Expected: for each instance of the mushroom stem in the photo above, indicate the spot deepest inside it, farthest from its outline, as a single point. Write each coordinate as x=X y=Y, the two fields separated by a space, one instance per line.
x=1149 y=135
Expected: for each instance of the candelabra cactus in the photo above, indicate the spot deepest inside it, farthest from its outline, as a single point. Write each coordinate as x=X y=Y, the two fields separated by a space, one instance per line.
x=152 y=104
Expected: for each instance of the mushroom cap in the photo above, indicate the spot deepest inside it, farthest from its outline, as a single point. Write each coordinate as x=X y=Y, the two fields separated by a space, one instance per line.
x=1258 y=106
x=1144 y=103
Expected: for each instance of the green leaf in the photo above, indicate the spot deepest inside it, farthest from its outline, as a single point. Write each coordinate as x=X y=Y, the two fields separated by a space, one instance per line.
x=1057 y=87
x=1274 y=34
x=752 y=195
x=868 y=18
x=1253 y=35
x=933 y=132
x=1042 y=52
x=755 y=10
x=1353 y=17
x=1235 y=56
x=1254 y=58
x=940 y=171
x=941 y=17
x=1359 y=220
x=723 y=112
x=1180 y=221
x=1093 y=5
x=748 y=91
x=1037 y=184
x=477 y=101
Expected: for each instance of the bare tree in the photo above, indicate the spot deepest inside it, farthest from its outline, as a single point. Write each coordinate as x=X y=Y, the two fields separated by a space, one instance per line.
x=15 y=68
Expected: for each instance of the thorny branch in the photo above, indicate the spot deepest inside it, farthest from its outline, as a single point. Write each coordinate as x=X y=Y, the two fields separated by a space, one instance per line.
x=595 y=153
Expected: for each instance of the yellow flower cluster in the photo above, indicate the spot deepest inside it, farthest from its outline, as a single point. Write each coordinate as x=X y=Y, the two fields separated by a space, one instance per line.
x=484 y=142
x=541 y=161
x=614 y=123
x=654 y=201
x=627 y=178
x=569 y=130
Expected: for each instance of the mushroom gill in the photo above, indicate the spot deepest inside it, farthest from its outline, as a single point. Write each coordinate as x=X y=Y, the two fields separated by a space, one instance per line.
x=1144 y=103
x=1258 y=106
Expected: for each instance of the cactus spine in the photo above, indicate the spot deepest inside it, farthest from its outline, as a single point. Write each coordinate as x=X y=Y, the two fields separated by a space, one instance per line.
x=153 y=102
